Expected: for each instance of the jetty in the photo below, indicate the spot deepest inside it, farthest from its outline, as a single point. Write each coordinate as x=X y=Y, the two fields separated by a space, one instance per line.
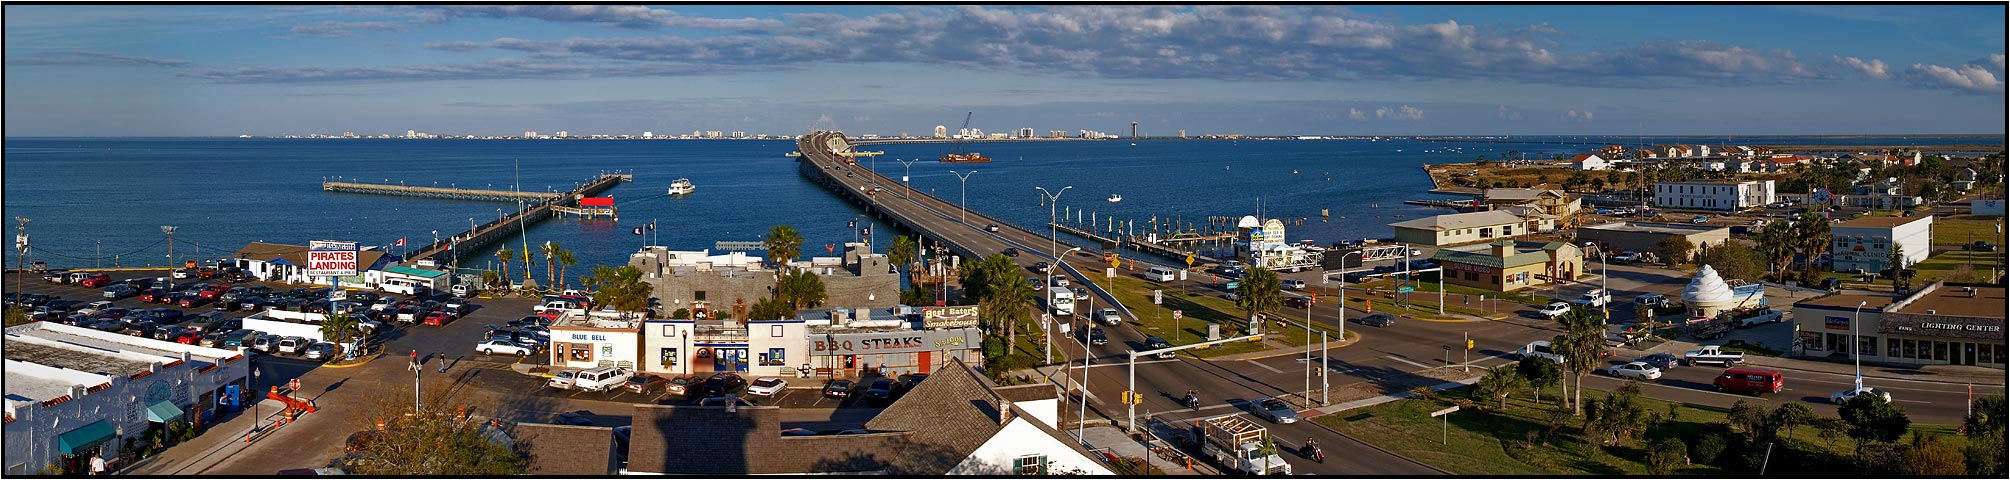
x=536 y=209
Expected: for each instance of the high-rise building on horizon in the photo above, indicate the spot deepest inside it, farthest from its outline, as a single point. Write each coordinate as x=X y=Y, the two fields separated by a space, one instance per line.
x=941 y=131
x=1026 y=132
x=561 y=134
x=648 y=134
x=529 y=134
x=1182 y=133
x=1134 y=130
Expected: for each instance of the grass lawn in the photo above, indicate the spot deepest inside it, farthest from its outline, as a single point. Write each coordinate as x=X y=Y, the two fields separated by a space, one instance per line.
x=1946 y=264
x=1495 y=442
x=1966 y=229
x=1458 y=299
x=1197 y=306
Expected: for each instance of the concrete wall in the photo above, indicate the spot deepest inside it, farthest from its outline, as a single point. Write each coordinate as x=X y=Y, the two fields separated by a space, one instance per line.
x=1020 y=438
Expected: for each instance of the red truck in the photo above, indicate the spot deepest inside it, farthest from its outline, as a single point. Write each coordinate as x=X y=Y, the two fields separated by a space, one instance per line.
x=212 y=291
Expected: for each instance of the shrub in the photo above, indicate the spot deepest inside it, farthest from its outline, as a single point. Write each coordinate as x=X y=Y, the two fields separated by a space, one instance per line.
x=1708 y=448
x=1665 y=455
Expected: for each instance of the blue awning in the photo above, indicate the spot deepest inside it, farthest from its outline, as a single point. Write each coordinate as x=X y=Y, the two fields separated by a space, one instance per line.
x=163 y=412
x=87 y=436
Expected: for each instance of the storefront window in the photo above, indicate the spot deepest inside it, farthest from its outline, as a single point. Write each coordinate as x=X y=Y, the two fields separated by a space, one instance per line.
x=1891 y=349
x=774 y=357
x=1940 y=351
x=729 y=360
x=1911 y=349
x=582 y=353
x=1867 y=345
x=669 y=359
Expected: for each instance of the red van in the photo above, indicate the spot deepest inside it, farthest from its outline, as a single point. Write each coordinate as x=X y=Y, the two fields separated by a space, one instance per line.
x=1758 y=381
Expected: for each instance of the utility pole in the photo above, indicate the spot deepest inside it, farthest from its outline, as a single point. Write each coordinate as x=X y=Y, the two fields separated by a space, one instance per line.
x=21 y=265
x=963 y=180
x=1324 y=387
x=169 y=230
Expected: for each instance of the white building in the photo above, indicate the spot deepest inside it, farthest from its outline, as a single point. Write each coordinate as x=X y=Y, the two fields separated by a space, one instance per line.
x=941 y=131
x=286 y=263
x=1714 y=194
x=76 y=392
x=757 y=348
x=1589 y=162
x=595 y=339
x=1865 y=243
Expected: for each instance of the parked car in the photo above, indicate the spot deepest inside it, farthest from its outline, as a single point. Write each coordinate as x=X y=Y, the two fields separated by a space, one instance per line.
x=1379 y=320
x=438 y=318
x=720 y=384
x=408 y=314
x=212 y=339
x=152 y=295
x=464 y=290
x=189 y=337
x=293 y=345
x=143 y=329
x=601 y=378
x=643 y=383
x=116 y=292
x=680 y=385
x=191 y=300
x=767 y=386
x=504 y=345
x=383 y=303
x=562 y=380
x=1274 y=410
x=1294 y=284
x=265 y=343
x=167 y=333
x=839 y=389
x=1636 y=370
x=879 y=391
x=319 y=351
x=96 y=281
x=1850 y=393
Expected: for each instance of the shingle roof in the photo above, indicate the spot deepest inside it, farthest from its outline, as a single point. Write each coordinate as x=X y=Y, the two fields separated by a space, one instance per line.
x=953 y=412
x=297 y=254
x=1030 y=392
x=567 y=449
x=693 y=440
x=1455 y=221
x=1485 y=258
x=1520 y=193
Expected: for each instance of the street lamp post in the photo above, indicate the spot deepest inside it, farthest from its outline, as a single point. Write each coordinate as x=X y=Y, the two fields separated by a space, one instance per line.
x=1604 y=307
x=169 y=230
x=1856 y=349
x=1341 y=310
x=963 y=180
x=909 y=170
x=21 y=267
x=1053 y=205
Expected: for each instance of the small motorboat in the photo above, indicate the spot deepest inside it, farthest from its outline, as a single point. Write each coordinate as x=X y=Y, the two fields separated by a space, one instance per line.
x=1114 y=198
x=681 y=187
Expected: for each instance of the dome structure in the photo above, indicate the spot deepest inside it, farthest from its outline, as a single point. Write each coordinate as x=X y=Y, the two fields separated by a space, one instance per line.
x=1249 y=221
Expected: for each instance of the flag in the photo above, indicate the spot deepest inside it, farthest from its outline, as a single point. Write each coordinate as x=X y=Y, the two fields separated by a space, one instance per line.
x=638 y=230
x=852 y=224
x=652 y=224
x=401 y=242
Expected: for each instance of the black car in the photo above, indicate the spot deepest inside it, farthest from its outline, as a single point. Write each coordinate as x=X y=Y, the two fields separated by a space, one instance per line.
x=1096 y=336
x=1981 y=246
x=1379 y=320
x=1660 y=360
x=142 y=329
x=880 y=391
x=909 y=381
x=724 y=383
x=839 y=389
x=64 y=305
x=166 y=315
x=252 y=302
x=167 y=333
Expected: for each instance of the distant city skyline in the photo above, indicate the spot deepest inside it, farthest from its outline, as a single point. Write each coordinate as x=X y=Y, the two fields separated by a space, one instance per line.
x=1709 y=70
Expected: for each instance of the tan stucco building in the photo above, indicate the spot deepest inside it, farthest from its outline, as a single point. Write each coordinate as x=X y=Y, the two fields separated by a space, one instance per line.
x=1503 y=267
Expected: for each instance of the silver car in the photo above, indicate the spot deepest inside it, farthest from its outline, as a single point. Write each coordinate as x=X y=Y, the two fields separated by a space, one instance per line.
x=320 y=351
x=1275 y=410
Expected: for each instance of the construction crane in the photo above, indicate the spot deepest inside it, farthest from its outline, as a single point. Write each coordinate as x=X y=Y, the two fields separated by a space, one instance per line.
x=956 y=154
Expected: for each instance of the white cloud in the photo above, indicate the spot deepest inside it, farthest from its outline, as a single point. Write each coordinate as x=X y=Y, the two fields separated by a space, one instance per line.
x=1355 y=113
x=1504 y=114
x=98 y=59
x=1405 y=112
x=1577 y=116
x=1984 y=75
x=1874 y=68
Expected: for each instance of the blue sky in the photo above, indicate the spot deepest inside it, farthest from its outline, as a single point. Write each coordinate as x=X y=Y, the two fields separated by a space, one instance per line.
x=164 y=70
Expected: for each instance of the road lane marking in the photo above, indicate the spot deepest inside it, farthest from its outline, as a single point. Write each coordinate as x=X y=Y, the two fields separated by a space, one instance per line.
x=1408 y=361
x=1261 y=365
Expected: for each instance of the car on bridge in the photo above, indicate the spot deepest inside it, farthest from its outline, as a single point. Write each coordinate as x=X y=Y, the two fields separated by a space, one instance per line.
x=993 y=228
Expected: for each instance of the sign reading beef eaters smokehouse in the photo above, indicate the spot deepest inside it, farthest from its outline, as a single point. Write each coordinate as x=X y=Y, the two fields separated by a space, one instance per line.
x=1946 y=326
x=895 y=342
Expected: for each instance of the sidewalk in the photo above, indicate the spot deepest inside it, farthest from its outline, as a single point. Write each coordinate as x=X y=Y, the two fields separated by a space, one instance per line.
x=1948 y=374
x=1122 y=445
x=218 y=443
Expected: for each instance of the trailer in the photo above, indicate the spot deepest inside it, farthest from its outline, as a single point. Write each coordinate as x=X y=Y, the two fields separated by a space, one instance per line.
x=1234 y=441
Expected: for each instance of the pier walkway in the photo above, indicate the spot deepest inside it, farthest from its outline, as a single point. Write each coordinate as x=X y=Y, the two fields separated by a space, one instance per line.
x=437 y=192
x=536 y=210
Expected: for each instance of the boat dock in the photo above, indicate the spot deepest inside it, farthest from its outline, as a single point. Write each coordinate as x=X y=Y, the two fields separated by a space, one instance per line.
x=1457 y=204
x=546 y=206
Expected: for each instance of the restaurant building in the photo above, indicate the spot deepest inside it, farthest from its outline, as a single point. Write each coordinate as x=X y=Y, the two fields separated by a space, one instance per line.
x=1502 y=268
x=1941 y=324
x=595 y=339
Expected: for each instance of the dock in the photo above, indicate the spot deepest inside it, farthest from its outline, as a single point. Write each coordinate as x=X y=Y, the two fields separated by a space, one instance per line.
x=1456 y=204
x=543 y=208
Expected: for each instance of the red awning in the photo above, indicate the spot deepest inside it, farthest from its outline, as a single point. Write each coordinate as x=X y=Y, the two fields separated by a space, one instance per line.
x=596 y=202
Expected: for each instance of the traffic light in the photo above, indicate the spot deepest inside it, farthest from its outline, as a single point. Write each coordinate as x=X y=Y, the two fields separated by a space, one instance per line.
x=1469 y=344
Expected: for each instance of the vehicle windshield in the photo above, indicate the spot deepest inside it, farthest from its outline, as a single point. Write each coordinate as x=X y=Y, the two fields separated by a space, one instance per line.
x=681 y=381
x=1273 y=404
x=767 y=382
x=638 y=380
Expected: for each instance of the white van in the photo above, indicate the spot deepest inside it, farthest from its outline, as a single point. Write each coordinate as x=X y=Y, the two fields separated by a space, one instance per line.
x=406 y=287
x=1159 y=274
x=1538 y=348
x=600 y=379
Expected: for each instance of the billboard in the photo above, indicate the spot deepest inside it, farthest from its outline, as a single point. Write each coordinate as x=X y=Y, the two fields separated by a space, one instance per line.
x=327 y=258
x=948 y=317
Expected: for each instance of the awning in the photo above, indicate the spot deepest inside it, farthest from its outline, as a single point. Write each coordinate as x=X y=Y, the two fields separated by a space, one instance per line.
x=87 y=436
x=163 y=412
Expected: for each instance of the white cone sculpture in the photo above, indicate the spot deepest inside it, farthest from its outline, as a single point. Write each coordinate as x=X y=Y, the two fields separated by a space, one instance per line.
x=1707 y=294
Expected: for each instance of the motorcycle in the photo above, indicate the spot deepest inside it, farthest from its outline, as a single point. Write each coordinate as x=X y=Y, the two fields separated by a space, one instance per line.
x=1191 y=401
x=1313 y=452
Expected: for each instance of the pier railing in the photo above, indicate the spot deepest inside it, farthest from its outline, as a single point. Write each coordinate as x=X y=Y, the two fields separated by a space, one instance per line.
x=487 y=233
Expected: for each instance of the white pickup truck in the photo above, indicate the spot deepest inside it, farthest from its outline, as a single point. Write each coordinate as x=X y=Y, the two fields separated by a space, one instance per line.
x=1597 y=297
x=1760 y=316
x=1712 y=354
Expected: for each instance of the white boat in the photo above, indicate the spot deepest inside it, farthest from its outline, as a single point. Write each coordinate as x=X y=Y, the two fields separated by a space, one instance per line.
x=681 y=187
x=1114 y=198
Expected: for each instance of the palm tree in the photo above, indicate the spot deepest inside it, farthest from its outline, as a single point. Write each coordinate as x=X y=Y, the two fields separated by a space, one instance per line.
x=903 y=253
x=621 y=288
x=1010 y=300
x=1811 y=230
x=564 y=260
x=800 y=289
x=507 y=256
x=550 y=249
x=783 y=244
x=1501 y=382
x=1261 y=291
x=525 y=256
x=1582 y=340
x=338 y=325
x=1776 y=241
